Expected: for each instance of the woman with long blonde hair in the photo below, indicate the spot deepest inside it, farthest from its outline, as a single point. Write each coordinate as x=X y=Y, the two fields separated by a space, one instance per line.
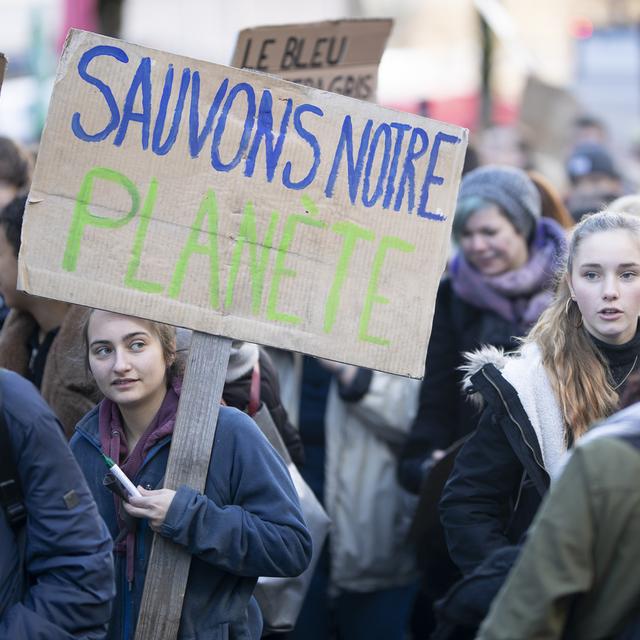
x=568 y=374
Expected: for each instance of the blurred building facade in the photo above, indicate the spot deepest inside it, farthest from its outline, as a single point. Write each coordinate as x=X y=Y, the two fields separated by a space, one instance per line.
x=433 y=64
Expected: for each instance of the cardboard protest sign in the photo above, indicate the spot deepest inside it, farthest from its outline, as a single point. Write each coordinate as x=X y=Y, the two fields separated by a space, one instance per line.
x=547 y=116
x=3 y=66
x=340 y=55
x=240 y=205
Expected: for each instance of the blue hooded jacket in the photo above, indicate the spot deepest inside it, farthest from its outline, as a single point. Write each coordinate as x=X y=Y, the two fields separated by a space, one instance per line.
x=247 y=524
x=64 y=547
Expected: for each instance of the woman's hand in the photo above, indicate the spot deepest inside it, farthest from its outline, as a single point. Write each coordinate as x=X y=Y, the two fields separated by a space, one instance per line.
x=153 y=505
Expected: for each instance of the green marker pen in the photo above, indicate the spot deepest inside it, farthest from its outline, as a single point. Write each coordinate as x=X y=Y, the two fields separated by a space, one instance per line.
x=121 y=476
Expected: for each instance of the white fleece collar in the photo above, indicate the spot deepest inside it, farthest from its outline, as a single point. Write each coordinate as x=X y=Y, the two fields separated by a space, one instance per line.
x=528 y=377
x=524 y=371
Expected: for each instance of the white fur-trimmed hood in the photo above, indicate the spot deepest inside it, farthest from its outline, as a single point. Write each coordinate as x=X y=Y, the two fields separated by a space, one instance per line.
x=475 y=360
x=524 y=371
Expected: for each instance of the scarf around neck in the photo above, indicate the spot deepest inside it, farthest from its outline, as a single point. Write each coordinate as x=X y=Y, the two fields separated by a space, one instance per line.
x=113 y=442
x=520 y=295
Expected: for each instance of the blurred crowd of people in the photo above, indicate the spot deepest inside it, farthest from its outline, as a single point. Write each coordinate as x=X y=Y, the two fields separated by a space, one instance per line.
x=495 y=498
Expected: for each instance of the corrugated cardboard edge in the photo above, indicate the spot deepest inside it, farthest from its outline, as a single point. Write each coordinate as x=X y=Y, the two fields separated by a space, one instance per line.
x=322 y=23
x=74 y=40
x=3 y=66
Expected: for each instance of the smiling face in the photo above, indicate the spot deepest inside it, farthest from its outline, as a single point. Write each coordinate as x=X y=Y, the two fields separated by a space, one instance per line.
x=127 y=360
x=605 y=282
x=491 y=243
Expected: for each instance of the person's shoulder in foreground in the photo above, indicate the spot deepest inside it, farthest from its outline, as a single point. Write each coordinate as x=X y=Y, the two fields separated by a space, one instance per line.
x=577 y=575
x=59 y=585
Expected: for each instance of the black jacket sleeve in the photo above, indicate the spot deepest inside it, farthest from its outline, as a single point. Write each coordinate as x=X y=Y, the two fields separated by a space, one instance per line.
x=357 y=388
x=436 y=423
x=477 y=500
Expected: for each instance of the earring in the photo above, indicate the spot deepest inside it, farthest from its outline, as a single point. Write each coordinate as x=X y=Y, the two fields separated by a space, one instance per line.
x=566 y=311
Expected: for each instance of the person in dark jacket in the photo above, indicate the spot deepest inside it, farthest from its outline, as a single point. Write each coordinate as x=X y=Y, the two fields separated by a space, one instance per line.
x=498 y=284
x=56 y=568
x=595 y=179
x=246 y=524
x=252 y=381
x=567 y=376
x=577 y=576
x=352 y=420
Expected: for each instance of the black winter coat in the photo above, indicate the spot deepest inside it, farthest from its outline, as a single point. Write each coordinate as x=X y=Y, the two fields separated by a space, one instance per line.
x=498 y=479
x=444 y=415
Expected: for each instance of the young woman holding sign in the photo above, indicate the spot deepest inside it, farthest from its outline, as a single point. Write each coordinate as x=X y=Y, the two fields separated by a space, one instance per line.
x=247 y=523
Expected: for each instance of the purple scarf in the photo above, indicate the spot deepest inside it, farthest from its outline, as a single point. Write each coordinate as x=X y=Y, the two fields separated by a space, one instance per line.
x=520 y=295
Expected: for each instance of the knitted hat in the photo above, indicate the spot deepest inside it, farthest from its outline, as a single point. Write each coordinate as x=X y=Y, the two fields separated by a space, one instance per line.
x=590 y=158
x=509 y=188
x=242 y=359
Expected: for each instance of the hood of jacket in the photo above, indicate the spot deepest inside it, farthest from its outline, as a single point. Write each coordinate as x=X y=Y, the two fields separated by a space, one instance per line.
x=474 y=361
x=522 y=386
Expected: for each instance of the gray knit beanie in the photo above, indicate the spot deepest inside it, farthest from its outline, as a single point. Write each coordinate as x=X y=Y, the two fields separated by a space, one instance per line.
x=510 y=188
x=242 y=359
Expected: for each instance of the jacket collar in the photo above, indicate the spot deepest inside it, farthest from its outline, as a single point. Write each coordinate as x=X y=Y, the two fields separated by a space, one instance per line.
x=88 y=426
x=88 y=429
x=486 y=380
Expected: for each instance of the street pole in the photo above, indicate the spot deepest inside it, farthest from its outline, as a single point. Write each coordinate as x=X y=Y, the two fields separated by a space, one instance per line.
x=485 y=73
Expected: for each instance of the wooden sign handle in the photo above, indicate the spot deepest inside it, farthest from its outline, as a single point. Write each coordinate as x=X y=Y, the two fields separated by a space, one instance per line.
x=188 y=464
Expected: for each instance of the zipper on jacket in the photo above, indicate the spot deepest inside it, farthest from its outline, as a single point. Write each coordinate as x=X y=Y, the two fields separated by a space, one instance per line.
x=506 y=406
x=520 y=490
x=150 y=455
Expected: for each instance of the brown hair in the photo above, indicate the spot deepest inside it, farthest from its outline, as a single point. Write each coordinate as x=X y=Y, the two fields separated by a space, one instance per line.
x=631 y=393
x=552 y=205
x=165 y=333
x=15 y=164
x=11 y=217
x=578 y=372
